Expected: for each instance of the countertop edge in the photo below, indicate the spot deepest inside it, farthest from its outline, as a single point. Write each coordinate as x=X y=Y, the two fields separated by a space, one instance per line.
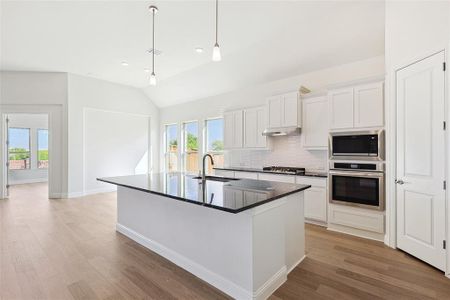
x=266 y=172
x=234 y=211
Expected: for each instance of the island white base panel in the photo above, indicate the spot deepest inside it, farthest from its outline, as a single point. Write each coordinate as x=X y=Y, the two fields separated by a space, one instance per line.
x=246 y=255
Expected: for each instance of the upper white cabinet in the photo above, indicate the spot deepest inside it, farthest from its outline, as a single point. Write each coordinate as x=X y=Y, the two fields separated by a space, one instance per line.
x=284 y=110
x=315 y=123
x=244 y=128
x=356 y=107
x=233 y=124
x=274 y=111
x=369 y=105
x=254 y=125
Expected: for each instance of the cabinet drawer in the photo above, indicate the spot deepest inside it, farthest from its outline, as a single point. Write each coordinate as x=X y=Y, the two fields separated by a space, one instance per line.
x=248 y=175
x=312 y=181
x=357 y=218
x=275 y=177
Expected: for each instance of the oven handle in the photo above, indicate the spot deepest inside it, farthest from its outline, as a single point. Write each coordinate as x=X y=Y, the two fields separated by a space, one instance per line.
x=358 y=174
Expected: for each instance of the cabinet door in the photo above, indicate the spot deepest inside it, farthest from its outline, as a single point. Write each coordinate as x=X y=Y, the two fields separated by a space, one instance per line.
x=315 y=122
x=261 y=124
x=290 y=115
x=228 y=134
x=369 y=105
x=274 y=111
x=340 y=103
x=238 y=129
x=250 y=128
x=316 y=204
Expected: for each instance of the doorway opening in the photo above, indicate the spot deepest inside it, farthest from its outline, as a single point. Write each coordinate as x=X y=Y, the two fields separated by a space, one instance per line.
x=27 y=149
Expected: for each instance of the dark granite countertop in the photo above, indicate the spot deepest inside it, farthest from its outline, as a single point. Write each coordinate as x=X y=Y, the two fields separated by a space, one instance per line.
x=256 y=170
x=229 y=194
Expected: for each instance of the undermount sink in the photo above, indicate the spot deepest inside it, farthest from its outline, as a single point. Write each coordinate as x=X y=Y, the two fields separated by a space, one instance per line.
x=217 y=178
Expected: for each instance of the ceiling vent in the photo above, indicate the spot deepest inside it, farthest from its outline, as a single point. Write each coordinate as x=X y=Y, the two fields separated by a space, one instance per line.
x=157 y=52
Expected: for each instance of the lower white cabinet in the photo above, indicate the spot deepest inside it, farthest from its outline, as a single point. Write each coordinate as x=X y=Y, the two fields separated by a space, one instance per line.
x=316 y=199
x=357 y=218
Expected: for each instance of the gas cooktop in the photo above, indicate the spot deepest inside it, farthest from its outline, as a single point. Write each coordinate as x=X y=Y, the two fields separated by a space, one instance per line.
x=285 y=170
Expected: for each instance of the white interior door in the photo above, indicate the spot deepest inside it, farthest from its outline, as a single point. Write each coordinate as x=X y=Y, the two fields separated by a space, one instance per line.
x=421 y=160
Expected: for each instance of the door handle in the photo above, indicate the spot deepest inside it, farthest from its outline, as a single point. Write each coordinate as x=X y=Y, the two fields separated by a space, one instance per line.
x=399 y=181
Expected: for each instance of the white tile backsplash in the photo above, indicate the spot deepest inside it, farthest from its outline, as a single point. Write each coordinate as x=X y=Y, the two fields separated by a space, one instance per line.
x=285 y=151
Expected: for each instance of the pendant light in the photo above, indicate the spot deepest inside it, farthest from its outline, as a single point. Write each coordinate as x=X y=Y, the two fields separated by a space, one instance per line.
x=216 y=51
x=153 y=9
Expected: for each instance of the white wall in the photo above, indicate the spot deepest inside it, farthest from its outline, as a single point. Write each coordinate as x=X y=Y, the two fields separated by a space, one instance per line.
x=414 y=30
x=115 y=144
x=256 y=95
x=32 y=122
x=40 y=92
x=87 y=94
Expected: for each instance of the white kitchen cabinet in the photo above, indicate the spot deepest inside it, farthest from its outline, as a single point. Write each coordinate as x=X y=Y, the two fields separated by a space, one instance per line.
x=276 y=177
x=369 y=105
x=284 y=111
x=233 y=197
x=291 y=109
x=315 y=123
x=233 y=127
x=340 y=103
x=316 y=199
x=274 y=111
x=254 y=125
x=356 y=107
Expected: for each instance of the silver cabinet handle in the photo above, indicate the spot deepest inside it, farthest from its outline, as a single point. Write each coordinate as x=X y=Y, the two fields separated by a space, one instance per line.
x=399 y=181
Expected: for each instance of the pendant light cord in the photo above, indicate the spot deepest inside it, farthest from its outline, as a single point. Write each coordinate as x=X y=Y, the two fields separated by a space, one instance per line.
x=217 y=19
x=153 y=44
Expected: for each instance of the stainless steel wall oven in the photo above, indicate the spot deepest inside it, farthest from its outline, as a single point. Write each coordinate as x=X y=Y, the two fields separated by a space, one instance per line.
x=357 y=184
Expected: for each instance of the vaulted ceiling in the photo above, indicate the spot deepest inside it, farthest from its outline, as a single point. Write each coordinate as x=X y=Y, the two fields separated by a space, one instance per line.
x=260 y=41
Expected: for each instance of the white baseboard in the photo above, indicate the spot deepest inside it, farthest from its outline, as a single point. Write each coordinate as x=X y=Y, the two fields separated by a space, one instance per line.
x=90 y=192
x=201 y=272
x=31 y=180
x=356 y=232
x=296 y=264
x=271 y=285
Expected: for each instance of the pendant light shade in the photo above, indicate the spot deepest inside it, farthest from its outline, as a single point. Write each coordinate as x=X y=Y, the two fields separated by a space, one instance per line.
x=153 y=10
x=216 y=51
x=153 y=79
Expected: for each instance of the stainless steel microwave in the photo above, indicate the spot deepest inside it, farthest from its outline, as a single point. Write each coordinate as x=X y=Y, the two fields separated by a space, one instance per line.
x=357 y=145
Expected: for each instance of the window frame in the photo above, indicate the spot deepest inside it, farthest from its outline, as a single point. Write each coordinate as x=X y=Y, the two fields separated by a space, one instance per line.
x=37 y=148
x=205 y=136
x=29 y=150
x=166 y=147
x=183 y=149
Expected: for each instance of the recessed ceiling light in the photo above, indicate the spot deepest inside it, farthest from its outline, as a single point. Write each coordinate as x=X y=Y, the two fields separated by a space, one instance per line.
x=147 y=70
x=124 y=63
x=199 y=50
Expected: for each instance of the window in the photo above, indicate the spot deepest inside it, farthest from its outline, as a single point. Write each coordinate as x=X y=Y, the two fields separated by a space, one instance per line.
x=171 y=148
x=190 y=147
x=19 y=148
x=42 y=142
x=214 y=141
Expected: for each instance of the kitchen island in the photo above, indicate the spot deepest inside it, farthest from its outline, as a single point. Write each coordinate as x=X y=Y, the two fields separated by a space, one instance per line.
x=242 y=236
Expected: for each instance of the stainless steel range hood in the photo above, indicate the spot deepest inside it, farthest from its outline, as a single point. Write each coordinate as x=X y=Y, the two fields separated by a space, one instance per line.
x=282 y=131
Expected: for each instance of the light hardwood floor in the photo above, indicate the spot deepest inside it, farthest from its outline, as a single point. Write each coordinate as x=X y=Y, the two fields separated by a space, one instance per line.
x=68 y=249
